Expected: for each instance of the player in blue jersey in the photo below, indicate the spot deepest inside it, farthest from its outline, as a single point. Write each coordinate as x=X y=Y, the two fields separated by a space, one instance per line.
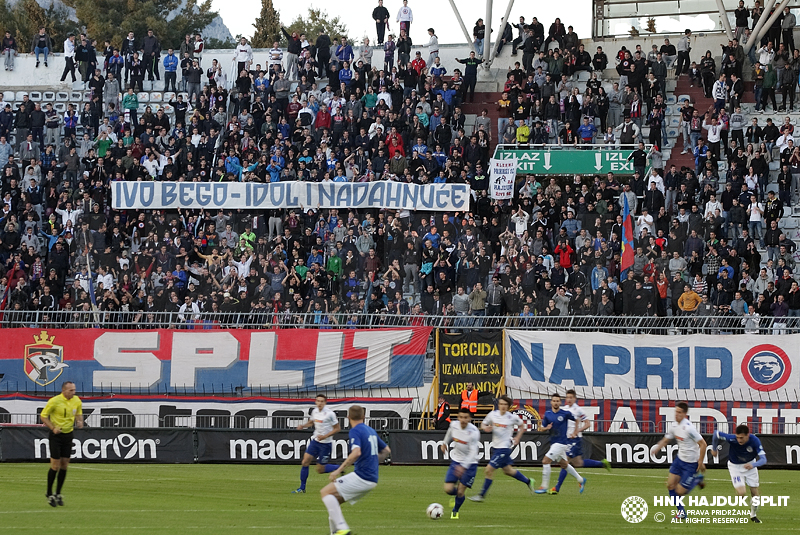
x=367 y=451
x=501 y=424
x=745 y=455
x=556 y=420
x=465 y=438
x=686 y=471
x=575 y=431
x=326 y=425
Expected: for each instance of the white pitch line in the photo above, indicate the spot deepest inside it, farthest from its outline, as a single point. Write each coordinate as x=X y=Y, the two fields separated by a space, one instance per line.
x=631 y=475
x=73 y=526
x=247 y=510
x=79 y=467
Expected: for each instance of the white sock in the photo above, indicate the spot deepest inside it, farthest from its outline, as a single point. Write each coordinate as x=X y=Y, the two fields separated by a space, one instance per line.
x=574 y=473
x=545 y=475
x=332 y=526
x=753 y=508
x=335 y=515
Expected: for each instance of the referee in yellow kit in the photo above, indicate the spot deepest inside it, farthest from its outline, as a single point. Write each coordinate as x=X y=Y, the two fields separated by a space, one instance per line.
x=61 y=415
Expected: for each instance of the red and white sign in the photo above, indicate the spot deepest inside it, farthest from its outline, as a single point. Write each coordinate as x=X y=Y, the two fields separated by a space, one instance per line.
x=213 y=361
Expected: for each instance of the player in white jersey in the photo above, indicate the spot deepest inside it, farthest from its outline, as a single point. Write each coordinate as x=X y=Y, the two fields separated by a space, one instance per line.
x=465 y=438
x=688 y=467
x=501 y=424
x=326 y=424
x=575 y=431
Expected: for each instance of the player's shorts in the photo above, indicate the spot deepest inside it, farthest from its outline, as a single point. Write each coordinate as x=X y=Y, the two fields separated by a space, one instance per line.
x=320 y=451
x=687 y=471
x=557 y=452
x=466 y=479
x=741 y=477
x=575 y=448
x=501 y=457
x=60 y=445
x=352 y=488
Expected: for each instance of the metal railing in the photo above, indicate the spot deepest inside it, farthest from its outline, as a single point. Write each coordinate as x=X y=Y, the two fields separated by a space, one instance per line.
x=579 y=146
x=210 y=421
x=621 y=426
x=707 y=427
x=230 y=390
x=379 y=423
x=667 y=325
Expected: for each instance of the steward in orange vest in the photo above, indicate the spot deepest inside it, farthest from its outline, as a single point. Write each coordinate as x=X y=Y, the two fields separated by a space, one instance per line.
x=443 y=415
x=469 y=398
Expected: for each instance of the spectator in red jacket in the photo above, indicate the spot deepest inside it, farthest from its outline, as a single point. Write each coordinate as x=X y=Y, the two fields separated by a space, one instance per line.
x=564 y=252
x=418 y=64
x=323 y=119
x=396 y=147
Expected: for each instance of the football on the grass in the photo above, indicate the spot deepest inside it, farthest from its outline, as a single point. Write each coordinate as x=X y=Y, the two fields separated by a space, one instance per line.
x=435 y=511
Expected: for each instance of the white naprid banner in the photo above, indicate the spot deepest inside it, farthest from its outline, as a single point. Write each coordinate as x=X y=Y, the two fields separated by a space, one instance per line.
x=616 y=366
x=501 y=178
x=247 y=412
x=250 y=195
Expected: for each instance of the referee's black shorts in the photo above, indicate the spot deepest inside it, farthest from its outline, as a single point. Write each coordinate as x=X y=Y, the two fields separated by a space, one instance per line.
x=60 y=445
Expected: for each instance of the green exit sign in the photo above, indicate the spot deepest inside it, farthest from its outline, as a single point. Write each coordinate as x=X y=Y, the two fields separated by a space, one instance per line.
x=568 y=162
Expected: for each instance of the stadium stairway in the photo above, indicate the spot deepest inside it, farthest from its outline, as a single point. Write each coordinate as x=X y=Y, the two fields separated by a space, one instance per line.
x=698 y=99
x=473 y=110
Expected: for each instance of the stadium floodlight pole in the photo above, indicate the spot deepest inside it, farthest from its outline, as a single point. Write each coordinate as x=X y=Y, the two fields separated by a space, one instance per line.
x=724 y=16
x=487 y=38
x=470 y=42
x=756 y=34
x=503 y=22
x=770 y=21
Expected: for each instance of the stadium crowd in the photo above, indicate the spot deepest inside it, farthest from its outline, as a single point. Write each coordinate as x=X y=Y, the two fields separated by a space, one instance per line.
x=707 y=243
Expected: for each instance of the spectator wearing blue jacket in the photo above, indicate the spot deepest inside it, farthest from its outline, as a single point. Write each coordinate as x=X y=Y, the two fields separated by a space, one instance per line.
x=115 y=64
x=440 y=156
x=180 y=277
x=51 y=238
x=420 y=147
x=280 y=161
x=344 y=52
x=725 y=267
x=70 y=123
x=432 y=235
x=170 y=70
x=437 y=70
x=284 y=128
x=587 y=131
x=315 y=258
x=447 y=94
x=261 y=84
x=6 y=150
x=599 y=274
x=345 y=74
x=232 y=163
x=571 y=225
x=274 y=170
x=237 y=170
x=700 y=156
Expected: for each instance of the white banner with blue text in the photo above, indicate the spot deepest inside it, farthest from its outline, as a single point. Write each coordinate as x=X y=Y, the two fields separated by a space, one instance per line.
x=642 y=366
x=502 y=174
x=257 y=196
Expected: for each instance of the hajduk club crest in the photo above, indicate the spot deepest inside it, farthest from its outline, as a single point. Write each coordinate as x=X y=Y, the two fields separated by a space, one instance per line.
x=44 y=361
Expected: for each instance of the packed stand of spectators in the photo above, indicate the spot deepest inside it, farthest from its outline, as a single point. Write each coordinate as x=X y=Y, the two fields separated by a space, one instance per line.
x=310 y=115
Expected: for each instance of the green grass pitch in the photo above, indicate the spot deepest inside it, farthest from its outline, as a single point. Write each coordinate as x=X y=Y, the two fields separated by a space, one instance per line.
x=221 y=499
